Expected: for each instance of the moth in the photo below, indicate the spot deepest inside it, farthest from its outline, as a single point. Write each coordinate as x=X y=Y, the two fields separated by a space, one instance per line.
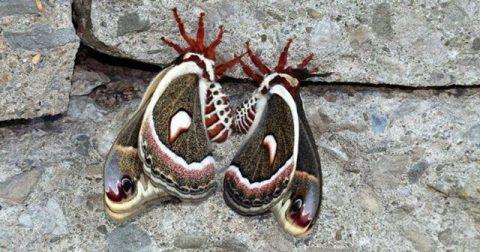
x=164 y=150
x=277 y=167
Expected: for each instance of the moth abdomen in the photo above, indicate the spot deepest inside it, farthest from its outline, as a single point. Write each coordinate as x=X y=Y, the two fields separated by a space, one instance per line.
x=245 y=115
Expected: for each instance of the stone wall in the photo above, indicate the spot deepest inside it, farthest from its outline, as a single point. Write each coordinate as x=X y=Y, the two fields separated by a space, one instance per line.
x=400 y=161
x=411 y=43
x=37 y=53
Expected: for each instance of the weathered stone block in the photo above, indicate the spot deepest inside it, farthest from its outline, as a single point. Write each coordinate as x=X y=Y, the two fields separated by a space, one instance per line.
x=37 y=53
x=402 y=43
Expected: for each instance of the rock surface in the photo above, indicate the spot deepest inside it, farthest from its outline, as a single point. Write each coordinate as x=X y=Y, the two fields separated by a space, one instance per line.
x=37 y=52
x=17 y=188
x=403 y=43
x=401 y=170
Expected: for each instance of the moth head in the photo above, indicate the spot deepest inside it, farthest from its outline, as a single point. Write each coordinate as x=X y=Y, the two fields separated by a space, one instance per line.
x=282 y=74
x=122 y=174
x=297 y=213
x=196 y=51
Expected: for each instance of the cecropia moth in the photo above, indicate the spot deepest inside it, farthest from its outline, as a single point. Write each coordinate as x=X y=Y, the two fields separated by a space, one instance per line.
x=164 y=149
x=277 y=167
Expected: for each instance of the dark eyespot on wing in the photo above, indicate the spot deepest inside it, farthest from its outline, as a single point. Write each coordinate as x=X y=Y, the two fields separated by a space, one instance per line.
x=122 y=159
x=306 y=186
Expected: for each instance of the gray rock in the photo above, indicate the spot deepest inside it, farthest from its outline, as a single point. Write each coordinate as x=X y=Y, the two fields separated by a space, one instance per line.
x=446 y=237
x=476 y=44
x=232 y=245
x=84 y=81
x=128 y=237
x=131 y=22
x=382 y=20
x=17 y=7
x=40 y=37
x=378 y=122
x=17 y=188
x=416 y=171
x=402 y=43
x=48 y=220
x=474 y=135
x=37 y=59
x=419 y=239
x=189 y=241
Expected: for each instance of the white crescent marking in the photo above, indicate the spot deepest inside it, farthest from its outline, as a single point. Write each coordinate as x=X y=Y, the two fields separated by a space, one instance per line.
x=270 y=144
x=179 y=123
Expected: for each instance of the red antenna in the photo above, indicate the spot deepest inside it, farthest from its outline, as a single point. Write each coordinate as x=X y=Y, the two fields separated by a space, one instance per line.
x=197 y=45
x=299 y=72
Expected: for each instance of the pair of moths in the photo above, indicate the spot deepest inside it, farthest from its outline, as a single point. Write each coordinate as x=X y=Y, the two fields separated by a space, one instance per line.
x=164 y=150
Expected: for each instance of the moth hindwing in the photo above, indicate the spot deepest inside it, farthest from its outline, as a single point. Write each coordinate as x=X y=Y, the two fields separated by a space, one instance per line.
x=187 y=110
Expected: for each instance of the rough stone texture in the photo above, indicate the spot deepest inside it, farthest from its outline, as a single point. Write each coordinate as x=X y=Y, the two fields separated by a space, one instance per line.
x=37 y=52
x=128 y=238
x=17 y=7
x=412 y=43
x=84 y=81
x=401 y=171
x=17 y=188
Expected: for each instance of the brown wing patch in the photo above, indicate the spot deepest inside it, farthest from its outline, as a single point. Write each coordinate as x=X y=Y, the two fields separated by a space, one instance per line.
x=182 y=94
x=267 y=181
x=253 y=158
x=298 y=214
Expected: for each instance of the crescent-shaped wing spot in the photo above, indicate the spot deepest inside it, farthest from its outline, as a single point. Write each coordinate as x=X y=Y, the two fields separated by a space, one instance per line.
x=270 y=144
x=179 y=123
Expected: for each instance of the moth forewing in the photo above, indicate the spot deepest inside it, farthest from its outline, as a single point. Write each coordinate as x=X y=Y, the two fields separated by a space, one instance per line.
x=280 y=90
x=299 y=210
x=252 y=183
x=187 y=170
x=126 y=189
x=153 y=86
x=202 y=93
x=162 y=81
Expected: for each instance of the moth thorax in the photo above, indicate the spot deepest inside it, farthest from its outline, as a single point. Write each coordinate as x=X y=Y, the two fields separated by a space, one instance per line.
x=207 y=65
x=289 y=82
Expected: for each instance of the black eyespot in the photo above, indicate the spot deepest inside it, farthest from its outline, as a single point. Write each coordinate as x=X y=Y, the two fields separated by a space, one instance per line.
x=226 y=120
x=127 y=185
x=296 y=205
x=256 y=202
x=221 y=112
x=215 y=92
x=212 y=85
x=218 y=102
x=148 y=160
x=162 y=176
x=277 y=192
